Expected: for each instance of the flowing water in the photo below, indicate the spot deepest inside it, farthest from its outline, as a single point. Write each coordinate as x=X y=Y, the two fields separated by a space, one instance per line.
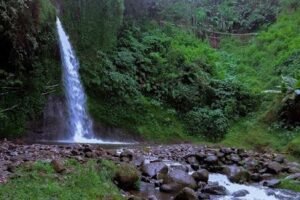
x=256 y=192
x=80 y=126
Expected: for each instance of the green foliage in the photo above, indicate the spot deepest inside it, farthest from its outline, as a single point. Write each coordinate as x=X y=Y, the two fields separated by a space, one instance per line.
x=85 y=181
x=235 y=16
x=267 y=55
x=250 y=134
x=27 y=61
x=154 y=77
x=294 y=147
x=210 y=123
x=290 y=185
x=238 y=15
x=92 y=25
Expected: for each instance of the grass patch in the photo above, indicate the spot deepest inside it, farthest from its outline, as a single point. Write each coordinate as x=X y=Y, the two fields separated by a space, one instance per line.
x=84 y=182
x=290 y=185
x=252 y=134
x=293 y=147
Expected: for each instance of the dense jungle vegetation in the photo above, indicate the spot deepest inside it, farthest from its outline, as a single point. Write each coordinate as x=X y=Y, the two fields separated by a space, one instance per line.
x=223 y=71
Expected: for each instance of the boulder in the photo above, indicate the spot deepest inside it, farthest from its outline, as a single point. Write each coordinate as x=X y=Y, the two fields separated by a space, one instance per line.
x=211 y=159
x=170 y=187
x=126 y=156
x=251 y=164
x=215 y=190
x=152 y=169
x=240 y=193
x=235 y=158
x=255 y=177
x=138 y=160
x=201 y=175
x=127 y=177
x=192 y=159
x=280 y=159
x=180 y=178
x=180 y=167
x=274 y=168
x=186 y=194
x=58 y=165
x=236 y=174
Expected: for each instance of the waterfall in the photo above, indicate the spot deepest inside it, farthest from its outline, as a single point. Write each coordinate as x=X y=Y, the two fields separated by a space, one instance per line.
x=80 y=124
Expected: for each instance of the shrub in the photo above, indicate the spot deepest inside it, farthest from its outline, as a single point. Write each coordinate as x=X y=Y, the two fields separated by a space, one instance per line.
x=210 y=123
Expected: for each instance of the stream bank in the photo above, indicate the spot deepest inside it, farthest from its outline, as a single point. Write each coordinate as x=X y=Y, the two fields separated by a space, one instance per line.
x=167 y=171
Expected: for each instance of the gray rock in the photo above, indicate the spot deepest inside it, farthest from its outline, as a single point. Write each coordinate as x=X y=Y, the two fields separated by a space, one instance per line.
x=203 y=196
x=274 y=167
x=236 y=174
x=181 y=178
x=211 y=159
x=255 y=177
x=186 y=194
x=180 y=167
x=201 y=175
x=271 y=183
x=152 y=197
x=152 y=169
x=191 y=159
x=240 y=193
x=170 y=187
x=126 y=156
x=294 y=177
x=279 y=159
x=235 y=158
x=215 y=190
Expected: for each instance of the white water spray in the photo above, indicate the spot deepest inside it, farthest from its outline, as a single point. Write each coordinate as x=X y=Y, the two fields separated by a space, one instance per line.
x=80 y=124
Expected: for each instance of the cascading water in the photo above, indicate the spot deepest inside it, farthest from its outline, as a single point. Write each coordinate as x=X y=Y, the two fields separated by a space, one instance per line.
x=79 y=123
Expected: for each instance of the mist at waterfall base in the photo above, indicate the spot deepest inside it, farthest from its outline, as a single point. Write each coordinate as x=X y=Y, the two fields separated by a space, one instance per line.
x=80 y=125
